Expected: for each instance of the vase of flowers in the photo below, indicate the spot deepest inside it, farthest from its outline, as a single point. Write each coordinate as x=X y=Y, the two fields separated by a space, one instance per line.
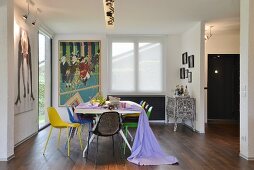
x=179 y=91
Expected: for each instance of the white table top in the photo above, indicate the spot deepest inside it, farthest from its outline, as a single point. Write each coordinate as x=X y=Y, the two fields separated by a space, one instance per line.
x=102 y=110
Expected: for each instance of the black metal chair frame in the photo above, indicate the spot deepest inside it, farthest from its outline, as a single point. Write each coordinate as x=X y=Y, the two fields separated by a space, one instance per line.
x=98 y=133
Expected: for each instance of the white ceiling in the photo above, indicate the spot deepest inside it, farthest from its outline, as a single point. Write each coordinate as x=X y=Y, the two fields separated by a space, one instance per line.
x=134 y=16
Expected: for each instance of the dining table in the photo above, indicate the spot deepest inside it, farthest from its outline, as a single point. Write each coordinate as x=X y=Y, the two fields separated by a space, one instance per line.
x=95 y=109
x=146 y=149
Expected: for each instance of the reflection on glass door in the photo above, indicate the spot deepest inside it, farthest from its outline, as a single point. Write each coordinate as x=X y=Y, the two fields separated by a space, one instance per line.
x=42 y=59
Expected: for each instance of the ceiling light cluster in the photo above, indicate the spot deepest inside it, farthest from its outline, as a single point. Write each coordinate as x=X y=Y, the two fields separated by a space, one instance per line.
x=208 y=33
x=28 y=15
x=109 y=12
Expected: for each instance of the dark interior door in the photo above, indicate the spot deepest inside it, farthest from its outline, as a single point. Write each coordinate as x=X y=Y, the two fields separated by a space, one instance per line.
x=223 y=86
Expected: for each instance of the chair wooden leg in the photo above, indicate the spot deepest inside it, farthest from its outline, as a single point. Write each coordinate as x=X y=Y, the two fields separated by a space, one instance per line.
x=59 y=136
x=88 y=144
x=126 y=134
x=47 y=140
x=97 y=143
x=79 y=135
x=70 y=133
x=97 y=149
x=113 y=145
x=68 y=142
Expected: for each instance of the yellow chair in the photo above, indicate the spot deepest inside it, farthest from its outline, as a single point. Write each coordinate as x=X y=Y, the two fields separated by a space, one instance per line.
x=56 y=122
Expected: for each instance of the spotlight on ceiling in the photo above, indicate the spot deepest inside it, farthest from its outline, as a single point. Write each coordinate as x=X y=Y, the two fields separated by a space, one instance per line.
x=25 y=17
x=34 y=22
x=36 y=17
x=28 y=12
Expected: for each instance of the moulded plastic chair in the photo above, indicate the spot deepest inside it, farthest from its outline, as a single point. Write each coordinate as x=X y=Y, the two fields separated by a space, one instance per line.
x=109 y=124
x=131 y=122
x=56 y=122
x=80 y=120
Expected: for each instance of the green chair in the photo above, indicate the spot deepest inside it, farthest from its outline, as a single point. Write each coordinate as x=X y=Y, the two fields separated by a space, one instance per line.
x=132 y=122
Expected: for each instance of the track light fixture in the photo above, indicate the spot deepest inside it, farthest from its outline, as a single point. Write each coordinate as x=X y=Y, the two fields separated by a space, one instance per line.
x=109 y=12
x=36 y=17
x=25 y=17
x=34 y=22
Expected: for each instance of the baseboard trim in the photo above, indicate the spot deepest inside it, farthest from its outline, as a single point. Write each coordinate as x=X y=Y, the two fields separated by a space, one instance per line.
x=247 y=158
x=7 y=159
x=24 y=140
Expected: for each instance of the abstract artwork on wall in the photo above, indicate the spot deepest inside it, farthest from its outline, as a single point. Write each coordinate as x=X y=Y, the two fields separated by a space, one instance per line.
x=24 y=97
x=79 y=70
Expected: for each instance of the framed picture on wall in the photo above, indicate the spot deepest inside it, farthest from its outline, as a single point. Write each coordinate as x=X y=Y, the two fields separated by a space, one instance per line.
x=189 y=77
x=186 y=73
x=24 y=98
x=184 y=58
x=182 y=73
x=191 y=61
x=79 y=70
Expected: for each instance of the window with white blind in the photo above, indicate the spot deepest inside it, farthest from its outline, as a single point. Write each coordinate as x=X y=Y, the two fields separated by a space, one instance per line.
x=136 y=65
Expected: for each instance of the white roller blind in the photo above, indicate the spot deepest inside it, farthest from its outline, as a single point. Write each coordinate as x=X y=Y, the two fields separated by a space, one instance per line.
x=123 y=76
x=150 y=67
x=136 y=65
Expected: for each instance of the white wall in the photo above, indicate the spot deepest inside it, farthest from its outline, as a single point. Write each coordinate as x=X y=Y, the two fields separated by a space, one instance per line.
x=26 y=123
x=173 y=63
x=6 y=85
x=62 y=110
x=246 y=79
x=226 y=42
x=193 y=43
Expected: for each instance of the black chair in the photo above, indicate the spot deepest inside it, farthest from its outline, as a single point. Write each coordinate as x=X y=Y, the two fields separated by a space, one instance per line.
x=109 y=124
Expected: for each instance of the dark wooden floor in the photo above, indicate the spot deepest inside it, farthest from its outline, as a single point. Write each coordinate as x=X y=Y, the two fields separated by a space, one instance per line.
x=217 y=149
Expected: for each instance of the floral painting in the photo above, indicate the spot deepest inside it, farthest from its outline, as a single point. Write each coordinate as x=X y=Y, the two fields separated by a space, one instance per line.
x=79 y=70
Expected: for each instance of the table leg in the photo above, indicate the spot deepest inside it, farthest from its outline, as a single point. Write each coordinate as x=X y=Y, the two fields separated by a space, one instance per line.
x=124 y=138
x=90 y=141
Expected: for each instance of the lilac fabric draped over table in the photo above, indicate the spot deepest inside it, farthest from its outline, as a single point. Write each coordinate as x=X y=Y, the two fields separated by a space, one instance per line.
x=146 y=149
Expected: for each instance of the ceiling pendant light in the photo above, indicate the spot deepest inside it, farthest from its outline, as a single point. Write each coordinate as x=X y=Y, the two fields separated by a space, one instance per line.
x=209 y=34
x=109 y=11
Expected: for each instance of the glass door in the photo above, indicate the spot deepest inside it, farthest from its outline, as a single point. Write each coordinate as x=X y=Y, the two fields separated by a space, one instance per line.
x=44 y=84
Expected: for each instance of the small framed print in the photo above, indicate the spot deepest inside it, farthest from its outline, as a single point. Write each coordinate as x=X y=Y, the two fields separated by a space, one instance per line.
x=186 y=73
x=182 y=73
x=191 y=61
x=184 y=58
x=189 y=77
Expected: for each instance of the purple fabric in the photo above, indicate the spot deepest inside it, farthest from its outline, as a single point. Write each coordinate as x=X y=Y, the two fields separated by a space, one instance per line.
x=87 y=105
x=146 y=149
